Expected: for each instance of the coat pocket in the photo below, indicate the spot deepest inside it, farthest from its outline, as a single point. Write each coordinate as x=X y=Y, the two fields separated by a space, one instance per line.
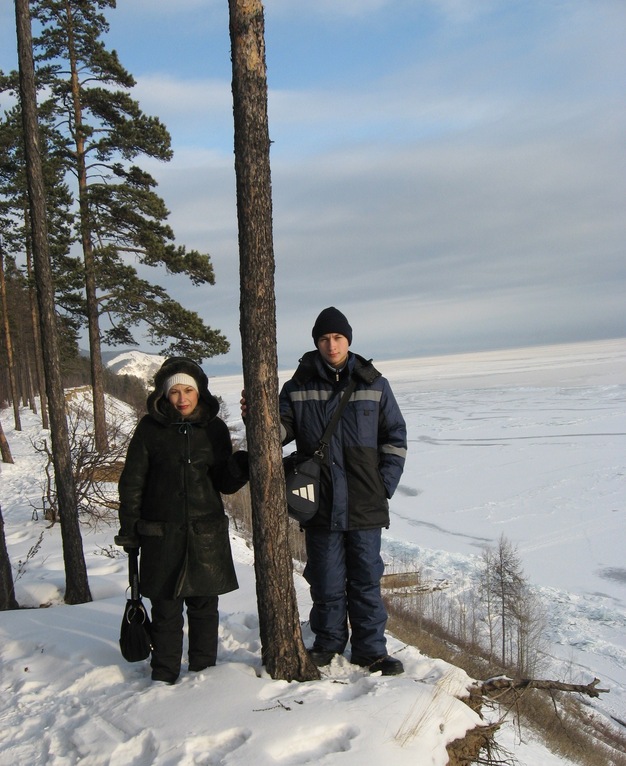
x=210 y=568
x=208 y=526
x=366 y=414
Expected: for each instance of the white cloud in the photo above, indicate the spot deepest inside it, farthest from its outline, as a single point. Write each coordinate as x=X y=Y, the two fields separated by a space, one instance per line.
x=456 y=173
x=168 y=93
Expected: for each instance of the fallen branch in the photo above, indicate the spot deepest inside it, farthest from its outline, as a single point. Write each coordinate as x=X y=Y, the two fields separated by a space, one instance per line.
x=494 y=686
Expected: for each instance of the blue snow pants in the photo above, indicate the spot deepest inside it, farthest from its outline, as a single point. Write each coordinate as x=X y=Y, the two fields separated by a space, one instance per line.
x=343 y=570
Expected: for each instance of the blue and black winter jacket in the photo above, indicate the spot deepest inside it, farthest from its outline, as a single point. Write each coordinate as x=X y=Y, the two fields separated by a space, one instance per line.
x=367 y=451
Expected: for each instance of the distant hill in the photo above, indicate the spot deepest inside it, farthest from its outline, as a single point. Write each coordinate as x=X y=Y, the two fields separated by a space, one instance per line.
x=143 y=366
x=136 y=363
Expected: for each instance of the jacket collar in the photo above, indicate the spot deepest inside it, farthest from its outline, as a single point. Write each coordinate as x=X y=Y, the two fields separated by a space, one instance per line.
x=312 y=365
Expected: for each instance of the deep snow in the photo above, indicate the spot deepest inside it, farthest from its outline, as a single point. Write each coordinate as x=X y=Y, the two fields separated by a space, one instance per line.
x=528 y=443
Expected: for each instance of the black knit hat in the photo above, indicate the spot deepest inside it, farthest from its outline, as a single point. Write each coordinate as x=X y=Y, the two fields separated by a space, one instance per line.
x=331 y=320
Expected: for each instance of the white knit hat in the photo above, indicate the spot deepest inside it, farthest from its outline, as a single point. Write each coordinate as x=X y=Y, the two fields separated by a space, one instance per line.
x=179 y=377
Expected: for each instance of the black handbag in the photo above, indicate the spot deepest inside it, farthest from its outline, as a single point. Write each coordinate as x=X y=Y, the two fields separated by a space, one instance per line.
x=135 y=641
x=303 y=472
x=302 y=480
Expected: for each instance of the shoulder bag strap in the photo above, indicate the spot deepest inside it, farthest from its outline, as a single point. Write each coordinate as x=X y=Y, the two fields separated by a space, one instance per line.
x=324 y=441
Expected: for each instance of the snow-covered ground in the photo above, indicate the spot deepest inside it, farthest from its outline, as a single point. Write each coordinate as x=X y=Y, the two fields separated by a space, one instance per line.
x=529 y=443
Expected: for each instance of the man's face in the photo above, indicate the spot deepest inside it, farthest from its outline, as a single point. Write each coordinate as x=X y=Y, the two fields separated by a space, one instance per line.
x=334 y=348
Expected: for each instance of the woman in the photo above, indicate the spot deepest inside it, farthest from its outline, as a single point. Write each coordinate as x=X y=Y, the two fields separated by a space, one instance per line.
x=179 y=460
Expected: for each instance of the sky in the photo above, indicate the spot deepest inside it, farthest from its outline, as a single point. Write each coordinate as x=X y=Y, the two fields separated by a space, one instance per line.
x=449 y=173
x=528 y=444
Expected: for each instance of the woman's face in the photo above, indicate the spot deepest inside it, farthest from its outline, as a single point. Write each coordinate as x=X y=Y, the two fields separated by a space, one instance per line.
x=184 y=398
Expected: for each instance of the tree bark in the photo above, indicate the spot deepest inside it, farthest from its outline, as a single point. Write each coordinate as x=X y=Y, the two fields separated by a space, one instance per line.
x=9 y=347
x=283 y=651
x=7 y=586
x=34 y=318
x=5 y=450
x=76 y=583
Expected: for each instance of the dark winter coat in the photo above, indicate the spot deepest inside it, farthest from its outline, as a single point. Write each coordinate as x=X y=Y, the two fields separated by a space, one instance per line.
x=367 y=451
x=170 y=503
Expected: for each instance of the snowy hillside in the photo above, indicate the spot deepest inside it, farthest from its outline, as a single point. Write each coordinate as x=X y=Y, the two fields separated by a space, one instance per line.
x=529 y=443
x=136 y=363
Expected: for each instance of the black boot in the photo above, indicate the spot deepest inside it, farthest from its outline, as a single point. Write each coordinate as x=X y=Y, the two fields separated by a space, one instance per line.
x=387 y=665
x=321 y=657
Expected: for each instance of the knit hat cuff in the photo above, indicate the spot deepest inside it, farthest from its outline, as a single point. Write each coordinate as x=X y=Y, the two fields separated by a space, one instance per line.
x=179 y=377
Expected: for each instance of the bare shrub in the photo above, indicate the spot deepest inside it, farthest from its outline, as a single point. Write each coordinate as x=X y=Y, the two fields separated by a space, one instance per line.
x=565 y=724
x=239 y=508
x=22 y=564
x=239 y=505
x=95 y=474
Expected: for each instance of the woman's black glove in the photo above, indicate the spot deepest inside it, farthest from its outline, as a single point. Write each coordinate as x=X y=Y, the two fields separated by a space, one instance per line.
x=127 y=542
x=239 y=465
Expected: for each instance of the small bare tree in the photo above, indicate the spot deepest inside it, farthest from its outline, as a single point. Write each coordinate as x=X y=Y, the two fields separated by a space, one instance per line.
x=487 y=595
x=95 y=473
x=511 y=609
x=530 y=625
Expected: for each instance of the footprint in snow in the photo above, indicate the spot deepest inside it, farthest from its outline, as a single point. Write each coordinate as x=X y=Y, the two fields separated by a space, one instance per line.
x=314 y=744
x=213 y=749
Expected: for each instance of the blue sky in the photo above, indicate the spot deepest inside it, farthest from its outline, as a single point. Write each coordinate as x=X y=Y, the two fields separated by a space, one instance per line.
x=449 y=173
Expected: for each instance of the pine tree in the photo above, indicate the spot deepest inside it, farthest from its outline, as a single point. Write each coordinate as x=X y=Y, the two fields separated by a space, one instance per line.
x=5 y=449
x=16 y=240
x=120 y=215
x=8 y=342
x=76 y=581
x=283 y=650
x=7 y=587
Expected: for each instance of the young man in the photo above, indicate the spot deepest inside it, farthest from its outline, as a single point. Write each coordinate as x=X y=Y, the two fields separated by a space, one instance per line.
x=363 y=465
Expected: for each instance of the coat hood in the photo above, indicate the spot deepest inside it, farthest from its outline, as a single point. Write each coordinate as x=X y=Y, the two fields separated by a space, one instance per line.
x=157 y=403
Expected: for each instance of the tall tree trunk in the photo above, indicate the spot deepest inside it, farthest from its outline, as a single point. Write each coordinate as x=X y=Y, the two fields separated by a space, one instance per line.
x=283 y=651
x=5 y=450
x=34 y=318
x=27 y=372
x=76 y=583
x=15 y=396
x=95 y=350
x=7 y=586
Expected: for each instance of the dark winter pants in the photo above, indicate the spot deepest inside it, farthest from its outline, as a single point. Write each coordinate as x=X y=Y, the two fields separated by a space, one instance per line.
x=167 y=635
x=344 y=571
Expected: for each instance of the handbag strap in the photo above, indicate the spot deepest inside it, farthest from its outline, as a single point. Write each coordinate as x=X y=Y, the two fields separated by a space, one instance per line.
x=133 y=573
x=325 y=440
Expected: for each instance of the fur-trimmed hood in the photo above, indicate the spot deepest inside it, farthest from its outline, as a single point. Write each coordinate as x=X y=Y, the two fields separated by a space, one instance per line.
x=158 y=405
